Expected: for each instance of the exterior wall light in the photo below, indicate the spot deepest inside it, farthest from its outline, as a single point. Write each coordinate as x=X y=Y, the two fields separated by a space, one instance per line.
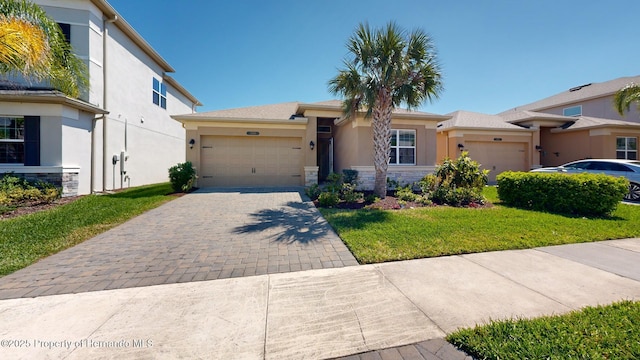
x=191 y=143
x=539 y=148
x=312 y=145
x=460 y=147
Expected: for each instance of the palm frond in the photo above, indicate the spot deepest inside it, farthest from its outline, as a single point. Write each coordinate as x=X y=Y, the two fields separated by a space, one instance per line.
x=32 y=44
x=626 y=96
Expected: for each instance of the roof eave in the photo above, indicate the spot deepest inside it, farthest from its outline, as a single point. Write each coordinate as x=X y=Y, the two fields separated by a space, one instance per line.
x=190 y=118
x=51 y=98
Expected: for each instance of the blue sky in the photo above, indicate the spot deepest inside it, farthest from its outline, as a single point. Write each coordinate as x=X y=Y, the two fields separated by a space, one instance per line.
x=495 y=54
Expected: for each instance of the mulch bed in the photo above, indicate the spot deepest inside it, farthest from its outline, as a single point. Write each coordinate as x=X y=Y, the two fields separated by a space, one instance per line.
x=390 y=202
x=30 y=208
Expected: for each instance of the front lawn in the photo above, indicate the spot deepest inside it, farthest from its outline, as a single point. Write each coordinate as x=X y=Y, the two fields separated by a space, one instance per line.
x=25 y=239
x=603 y=332
x=386 y=235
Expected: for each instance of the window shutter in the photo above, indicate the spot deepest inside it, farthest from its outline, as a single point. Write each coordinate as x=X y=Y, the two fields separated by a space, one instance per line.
x=32 y=141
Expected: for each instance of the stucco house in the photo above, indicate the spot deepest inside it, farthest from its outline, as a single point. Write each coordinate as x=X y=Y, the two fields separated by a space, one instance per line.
x=580 y=123
x=496 y=144
x=575 y=124
x=296 y=144
x=117 y=134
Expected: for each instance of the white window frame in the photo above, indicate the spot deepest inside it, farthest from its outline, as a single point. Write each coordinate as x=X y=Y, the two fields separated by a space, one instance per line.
x=626 y=149
x=19 y=140
x=577 y=107
x=398 y=147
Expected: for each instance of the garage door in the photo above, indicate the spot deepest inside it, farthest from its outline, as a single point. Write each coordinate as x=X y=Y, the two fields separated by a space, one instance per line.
x=250 y=161
x=498 y=157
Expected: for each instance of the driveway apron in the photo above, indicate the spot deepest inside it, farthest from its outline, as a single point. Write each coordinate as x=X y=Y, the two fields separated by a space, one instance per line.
x=206 y=235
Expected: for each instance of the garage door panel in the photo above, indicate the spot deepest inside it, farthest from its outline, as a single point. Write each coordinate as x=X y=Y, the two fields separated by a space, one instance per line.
x=498 y=157
x=250 y=161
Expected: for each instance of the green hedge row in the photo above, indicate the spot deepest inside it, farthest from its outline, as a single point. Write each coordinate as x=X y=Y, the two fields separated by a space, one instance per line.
x=576 y=194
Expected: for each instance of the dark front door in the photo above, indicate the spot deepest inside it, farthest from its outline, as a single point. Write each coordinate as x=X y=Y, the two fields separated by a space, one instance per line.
x=324 y=167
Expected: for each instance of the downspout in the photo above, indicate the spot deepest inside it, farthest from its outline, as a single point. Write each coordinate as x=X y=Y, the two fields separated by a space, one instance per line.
x=105 y=156
x=93 y=152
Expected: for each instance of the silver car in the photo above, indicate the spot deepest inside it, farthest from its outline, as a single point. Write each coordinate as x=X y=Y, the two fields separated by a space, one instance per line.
x=630 y=169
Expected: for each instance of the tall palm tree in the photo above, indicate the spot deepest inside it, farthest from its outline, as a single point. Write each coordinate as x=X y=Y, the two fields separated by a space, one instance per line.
x=625 y=97
x=389 y=67
x=33 y=45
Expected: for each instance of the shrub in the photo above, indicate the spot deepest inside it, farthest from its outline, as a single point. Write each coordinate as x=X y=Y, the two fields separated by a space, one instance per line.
x=406 y=194
x=371 y=198
x=456 y=182
x=463 y=172
x=334 y=182
x=328 y=199
x=182 y=176
x=350 y=176
x=349 y=194
x=575 y=194
x=16 y=191
x=427 y=184
x=313 y=191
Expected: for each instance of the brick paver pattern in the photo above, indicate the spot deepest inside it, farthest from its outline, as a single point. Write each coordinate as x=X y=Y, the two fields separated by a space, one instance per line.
x=435 y=349
x=205 y=235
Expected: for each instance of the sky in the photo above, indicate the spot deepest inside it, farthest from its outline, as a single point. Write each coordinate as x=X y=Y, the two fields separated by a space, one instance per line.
x=494 y=54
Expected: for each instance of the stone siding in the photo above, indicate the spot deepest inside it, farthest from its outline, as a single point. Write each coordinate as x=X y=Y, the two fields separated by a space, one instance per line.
x=405 y=175
x=67 y=181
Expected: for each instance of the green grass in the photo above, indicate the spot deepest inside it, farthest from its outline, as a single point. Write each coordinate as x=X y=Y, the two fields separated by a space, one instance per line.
x=377 y=236
x=604 y=332
x=26 y=239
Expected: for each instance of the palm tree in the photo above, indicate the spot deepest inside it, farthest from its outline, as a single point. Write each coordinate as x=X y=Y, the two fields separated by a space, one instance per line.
x=625 y=97
x=33 y=45
x=388 y=67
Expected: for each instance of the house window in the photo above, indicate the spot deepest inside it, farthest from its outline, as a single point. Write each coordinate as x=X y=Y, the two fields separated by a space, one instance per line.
x=11 y=140
x=627 y=148
x=403 y=147
x=572 y=111
x=66 y=30
x=159 y=93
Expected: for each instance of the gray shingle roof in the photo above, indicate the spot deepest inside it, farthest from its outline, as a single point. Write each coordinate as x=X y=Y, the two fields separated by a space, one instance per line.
x=473 y=120
x=515 y=116
x=587 y=122
x=281 y=111
x=579 y=93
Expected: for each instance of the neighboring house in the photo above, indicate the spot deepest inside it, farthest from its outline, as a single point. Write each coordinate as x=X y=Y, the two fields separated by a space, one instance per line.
x=295 y=144
x=581 y=123
x=494 y=143
x=576 y=124
x=119 y=133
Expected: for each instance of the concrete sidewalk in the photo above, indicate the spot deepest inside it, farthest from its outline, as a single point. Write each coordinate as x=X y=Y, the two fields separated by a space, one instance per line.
x=319 y=314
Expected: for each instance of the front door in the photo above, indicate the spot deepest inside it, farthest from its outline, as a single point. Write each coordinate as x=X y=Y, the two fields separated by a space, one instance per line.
x=325 y=154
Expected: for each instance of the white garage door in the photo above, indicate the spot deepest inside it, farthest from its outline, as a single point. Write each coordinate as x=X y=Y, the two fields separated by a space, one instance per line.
x=498 y=157
x=250 y=161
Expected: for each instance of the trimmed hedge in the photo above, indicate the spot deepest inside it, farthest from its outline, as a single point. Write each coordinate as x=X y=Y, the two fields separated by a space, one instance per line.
x=575 y=194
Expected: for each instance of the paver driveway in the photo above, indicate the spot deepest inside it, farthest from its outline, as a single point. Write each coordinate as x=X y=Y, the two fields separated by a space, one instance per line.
x=209 y=234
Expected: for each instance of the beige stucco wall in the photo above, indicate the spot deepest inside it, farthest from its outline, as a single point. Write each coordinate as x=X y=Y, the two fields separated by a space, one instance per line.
x=559 y=148
x=448 y=142
x=353 y=149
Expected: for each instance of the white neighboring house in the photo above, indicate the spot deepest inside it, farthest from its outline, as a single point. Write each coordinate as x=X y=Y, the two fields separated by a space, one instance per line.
x=78 y=143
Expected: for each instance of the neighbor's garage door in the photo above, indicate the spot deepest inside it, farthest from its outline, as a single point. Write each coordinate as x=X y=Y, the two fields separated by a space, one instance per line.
x=250 y=161
x=498 y=157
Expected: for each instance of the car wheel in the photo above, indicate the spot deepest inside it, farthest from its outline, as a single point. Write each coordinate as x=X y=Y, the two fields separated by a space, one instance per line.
x=634 y=193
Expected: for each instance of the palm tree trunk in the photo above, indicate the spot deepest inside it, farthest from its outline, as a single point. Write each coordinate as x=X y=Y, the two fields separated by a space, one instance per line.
x=381 y=141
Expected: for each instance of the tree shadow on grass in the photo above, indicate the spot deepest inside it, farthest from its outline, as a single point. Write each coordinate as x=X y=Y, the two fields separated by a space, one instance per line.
x=294 y=222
